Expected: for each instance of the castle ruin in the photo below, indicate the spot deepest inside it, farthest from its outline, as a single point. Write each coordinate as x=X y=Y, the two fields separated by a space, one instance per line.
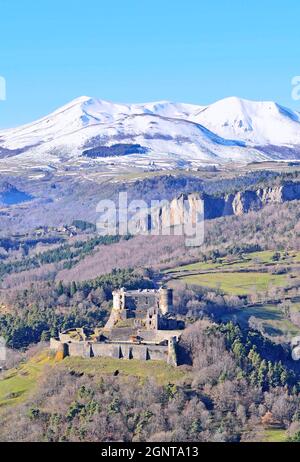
x=141 y=326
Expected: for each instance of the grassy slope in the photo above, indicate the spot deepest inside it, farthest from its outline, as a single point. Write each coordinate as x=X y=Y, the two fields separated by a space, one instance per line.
x=274 y=322
x=237 y=283
x=159 y=370
x=17 y=384
x=225 y=275
x=275 y=436
x=248 y=260
x=22 y=381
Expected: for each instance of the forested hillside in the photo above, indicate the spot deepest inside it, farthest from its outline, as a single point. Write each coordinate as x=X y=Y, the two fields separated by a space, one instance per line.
x=238 y=294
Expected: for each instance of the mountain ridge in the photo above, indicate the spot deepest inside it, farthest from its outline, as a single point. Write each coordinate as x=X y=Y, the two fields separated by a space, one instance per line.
x=231 y=129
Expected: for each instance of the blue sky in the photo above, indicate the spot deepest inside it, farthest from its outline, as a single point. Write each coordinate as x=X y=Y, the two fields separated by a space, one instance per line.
x=133 y=51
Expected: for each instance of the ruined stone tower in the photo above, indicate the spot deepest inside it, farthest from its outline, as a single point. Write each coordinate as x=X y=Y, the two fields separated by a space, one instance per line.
x=165 y=300
x=119 y=299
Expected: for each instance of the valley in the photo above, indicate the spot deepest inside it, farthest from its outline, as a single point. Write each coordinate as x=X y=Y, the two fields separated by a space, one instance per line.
x=149 y=227
x=238 y=294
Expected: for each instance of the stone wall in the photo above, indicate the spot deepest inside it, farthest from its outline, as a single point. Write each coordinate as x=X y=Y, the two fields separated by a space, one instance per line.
x=54 y=344
x=130 y=351
x=120 y=350
x=81 y=349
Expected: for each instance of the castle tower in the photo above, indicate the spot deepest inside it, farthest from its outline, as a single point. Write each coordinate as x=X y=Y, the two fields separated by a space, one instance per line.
x=152 y=319
x=118 y=299
x=165 y=300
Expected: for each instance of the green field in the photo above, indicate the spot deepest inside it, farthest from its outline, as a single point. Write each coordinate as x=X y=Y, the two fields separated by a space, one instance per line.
x=199 y=266
x=247 y=260
x=274 y=322
x=236 y=283
x=243 y=275
x=275 y=436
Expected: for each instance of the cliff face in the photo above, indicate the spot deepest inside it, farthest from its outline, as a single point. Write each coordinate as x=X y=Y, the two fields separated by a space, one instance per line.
x=246 y=201
x=166 y=215
x=189 y=206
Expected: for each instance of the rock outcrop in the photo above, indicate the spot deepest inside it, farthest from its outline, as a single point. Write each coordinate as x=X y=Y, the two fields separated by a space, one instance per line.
x=246 y=201
x=189 y=205
x=250 y=200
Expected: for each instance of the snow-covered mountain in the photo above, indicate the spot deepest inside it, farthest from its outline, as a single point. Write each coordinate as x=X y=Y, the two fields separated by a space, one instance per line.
x=163 y=132
x=257 y=123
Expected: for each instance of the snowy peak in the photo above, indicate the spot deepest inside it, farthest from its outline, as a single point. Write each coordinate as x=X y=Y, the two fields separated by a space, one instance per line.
x=163 y=131
x=258 y=123
x=172 y=110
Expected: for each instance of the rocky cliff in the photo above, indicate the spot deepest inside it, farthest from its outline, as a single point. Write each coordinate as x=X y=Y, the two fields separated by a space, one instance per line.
x=243 y=202
x=191 y=205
